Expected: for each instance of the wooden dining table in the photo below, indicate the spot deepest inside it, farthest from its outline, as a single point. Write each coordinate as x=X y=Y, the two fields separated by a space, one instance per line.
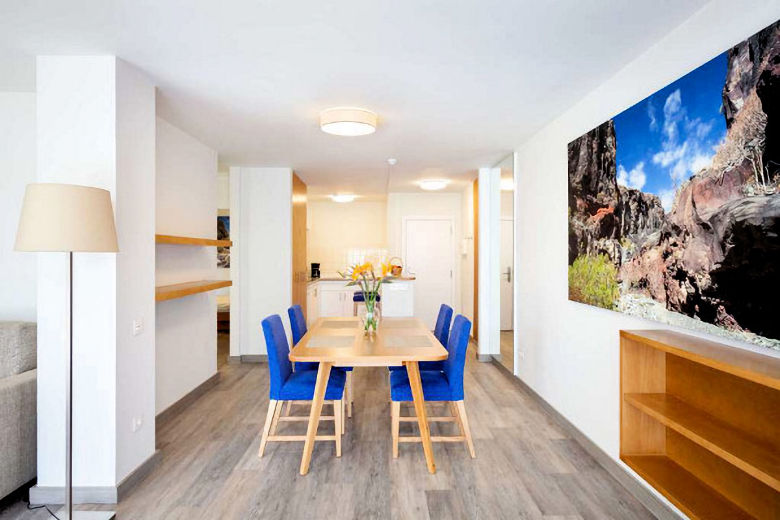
x=341 y=342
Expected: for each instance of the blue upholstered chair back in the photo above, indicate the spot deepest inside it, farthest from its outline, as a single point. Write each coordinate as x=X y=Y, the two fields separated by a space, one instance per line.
x=455 y=363
x=297 y=323
x=442 y=330
x=278 y=353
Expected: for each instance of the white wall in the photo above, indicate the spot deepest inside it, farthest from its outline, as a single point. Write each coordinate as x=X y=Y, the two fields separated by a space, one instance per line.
x=135 y=184
x=17 y=169
x=95 y=126
x=186 y=204
x=448 y=204
x=466 y=253
x=571 y=351
x=261 y=257
x=335 y=227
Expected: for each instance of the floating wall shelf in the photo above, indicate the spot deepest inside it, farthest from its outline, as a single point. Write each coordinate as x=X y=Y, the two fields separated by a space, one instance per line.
x=179 y=290
x=700 y=422
x=191 y=241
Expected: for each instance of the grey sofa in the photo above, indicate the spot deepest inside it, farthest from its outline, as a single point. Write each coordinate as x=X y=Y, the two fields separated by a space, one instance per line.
x=17 y=404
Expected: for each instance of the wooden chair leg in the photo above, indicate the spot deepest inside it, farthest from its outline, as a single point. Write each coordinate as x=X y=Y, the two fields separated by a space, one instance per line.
x=338 y=410
x=288 y=409
x=277 y=414
x=351 y=396
x=272 y=405
x=464 y=421
x=395 y=414
x=343 y=416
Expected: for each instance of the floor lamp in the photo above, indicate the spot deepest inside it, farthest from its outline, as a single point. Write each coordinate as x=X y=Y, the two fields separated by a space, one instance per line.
x=70 y=219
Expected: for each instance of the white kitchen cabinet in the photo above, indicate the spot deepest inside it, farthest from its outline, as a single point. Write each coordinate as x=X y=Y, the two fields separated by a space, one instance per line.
x=398 y=299
x=335 y=299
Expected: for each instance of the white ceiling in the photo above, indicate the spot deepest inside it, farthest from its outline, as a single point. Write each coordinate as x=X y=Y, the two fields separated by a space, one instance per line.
x=457 y=84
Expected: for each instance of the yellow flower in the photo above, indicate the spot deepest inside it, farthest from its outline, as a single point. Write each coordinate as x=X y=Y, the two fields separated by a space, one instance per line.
x=386 y=268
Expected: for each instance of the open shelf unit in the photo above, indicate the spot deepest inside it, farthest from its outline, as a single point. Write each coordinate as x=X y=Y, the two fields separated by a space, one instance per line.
x=179 y=290
x=191 y=241
x=700 y=422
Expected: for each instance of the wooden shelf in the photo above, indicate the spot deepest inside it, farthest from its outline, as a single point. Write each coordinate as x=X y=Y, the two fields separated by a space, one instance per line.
x=179 y=290
x=683 y=489
x=746 y=364
x=724 y=440
x=191 y=241
x=700 y=421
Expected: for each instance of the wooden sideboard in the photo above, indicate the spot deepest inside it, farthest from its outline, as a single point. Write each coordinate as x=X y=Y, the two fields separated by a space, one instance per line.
x=700 y=422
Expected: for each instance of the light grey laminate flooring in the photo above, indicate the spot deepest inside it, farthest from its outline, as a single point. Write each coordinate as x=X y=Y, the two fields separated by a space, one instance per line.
x=526 y=466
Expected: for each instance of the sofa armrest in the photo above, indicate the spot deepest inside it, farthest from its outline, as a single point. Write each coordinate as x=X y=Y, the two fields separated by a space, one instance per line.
x=18 y=419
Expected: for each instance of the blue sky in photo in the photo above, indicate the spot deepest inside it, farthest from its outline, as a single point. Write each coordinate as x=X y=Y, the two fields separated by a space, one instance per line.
x=671 y=135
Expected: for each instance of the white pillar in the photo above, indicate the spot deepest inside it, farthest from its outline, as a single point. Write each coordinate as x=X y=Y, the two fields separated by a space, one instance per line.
x=96 y=126
x=489 y=276
x=261 y=256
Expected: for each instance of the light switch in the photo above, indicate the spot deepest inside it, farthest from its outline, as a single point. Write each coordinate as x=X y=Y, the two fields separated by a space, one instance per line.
x=138 y=326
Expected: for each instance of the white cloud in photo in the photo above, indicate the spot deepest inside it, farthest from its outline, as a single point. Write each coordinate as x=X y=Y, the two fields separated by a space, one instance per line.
x=635 y=178
x=670 y=154
x=651 y=115
x=700 y=162
x=667 y=199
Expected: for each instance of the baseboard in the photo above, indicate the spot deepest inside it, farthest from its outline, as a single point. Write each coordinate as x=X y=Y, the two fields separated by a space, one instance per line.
x=177 y=407
x=81 y=495
x=138 y=474
x=655 y=504
x=254 y=358
x=96 y=494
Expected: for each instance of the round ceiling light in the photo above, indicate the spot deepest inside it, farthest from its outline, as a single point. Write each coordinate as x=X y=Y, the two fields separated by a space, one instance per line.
x=434 y=184
x=343 y=197
x=348 y=121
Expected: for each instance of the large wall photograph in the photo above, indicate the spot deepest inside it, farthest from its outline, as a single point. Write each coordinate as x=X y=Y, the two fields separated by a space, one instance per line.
x=674 y=204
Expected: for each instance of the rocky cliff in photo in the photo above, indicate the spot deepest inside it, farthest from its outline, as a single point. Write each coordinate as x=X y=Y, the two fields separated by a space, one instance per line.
x=715 y=256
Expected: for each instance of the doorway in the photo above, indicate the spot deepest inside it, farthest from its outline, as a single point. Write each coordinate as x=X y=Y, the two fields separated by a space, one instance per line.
x=429 y=253
x=506 y=265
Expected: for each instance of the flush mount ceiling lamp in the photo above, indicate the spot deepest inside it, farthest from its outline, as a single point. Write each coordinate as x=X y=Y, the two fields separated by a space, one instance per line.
x=348 y=121
x=433 y=184
x=343 y=197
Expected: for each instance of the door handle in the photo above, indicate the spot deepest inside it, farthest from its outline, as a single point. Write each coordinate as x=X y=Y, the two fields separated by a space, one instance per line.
x=508 y=274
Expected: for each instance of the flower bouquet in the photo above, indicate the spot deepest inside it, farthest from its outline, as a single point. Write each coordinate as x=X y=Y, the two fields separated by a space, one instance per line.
x=364 y=276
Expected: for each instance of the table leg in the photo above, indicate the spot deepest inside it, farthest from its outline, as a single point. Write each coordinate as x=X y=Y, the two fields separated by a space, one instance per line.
x=413 y=369
x=323 y=374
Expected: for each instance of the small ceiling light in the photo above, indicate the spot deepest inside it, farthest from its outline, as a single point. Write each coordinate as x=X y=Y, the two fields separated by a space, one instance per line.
x=347 y=121
x=507 y=184
x=434 y=184
x=343 y=197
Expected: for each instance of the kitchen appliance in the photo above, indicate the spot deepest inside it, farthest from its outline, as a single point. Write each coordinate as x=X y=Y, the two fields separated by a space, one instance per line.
x=315 y=270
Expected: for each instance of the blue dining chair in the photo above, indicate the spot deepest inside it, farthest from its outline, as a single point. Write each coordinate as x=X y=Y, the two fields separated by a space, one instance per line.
x=298 y=327
x=287 y=385
x=442 y=333
x=445 y=385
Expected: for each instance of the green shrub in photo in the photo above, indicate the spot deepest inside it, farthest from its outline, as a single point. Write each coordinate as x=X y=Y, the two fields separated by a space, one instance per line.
x=593 y=280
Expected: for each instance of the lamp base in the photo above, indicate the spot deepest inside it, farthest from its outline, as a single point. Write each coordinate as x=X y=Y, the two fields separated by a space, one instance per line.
x=62 y=514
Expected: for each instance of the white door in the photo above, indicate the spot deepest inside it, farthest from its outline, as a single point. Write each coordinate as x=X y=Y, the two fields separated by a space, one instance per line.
x=429 y=256
x=507 y=272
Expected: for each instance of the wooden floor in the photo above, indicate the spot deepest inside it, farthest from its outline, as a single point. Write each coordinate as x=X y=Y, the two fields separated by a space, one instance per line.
x=526 y=467
x=507 y=357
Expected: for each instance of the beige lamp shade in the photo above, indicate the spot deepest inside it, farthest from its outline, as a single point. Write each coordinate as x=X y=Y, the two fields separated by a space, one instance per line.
x=348 y=121
x=66 y=217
